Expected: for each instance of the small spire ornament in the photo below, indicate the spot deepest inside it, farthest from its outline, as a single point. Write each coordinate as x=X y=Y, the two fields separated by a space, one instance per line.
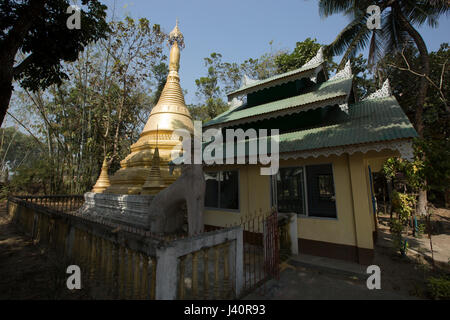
x=154 y=182
x=103 y=180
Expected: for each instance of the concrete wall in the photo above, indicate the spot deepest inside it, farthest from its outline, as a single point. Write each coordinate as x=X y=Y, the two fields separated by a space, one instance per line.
x=115 y=254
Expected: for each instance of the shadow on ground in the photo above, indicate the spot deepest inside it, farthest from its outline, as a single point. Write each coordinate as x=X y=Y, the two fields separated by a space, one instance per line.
x=28 y=271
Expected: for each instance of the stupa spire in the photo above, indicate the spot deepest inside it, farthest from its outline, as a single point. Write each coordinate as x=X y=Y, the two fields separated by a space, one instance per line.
x=103 y=180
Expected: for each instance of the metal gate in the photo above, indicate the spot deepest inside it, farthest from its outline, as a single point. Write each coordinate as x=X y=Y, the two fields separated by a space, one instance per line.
x=261 y=250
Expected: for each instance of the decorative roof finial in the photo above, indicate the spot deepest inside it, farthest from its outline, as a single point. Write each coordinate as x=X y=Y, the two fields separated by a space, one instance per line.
x=176 y=36
x=247 y=81
x=318 y=58
x=384 y=92
x=344 y=73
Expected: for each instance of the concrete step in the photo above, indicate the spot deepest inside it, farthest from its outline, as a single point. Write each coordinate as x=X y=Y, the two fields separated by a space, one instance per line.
x=328 y=265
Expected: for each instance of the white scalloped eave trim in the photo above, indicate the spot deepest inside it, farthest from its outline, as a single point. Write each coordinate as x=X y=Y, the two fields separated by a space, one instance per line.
x=404 y=147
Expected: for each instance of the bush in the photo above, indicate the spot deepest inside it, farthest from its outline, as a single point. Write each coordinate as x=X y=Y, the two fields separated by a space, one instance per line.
x=439 y=288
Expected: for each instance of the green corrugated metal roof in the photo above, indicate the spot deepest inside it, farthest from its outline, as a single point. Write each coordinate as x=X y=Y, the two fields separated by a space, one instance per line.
x=367 y=121
x=323 y=91
x=277 y=77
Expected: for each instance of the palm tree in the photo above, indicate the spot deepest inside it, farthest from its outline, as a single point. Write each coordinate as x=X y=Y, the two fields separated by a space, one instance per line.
x=397 y=30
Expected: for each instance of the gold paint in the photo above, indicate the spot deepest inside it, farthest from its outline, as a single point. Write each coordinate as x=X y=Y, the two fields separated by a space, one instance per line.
x=93 y=256
x=206 y=273
x=144 y=286
x=103 y=180
x=154 y=182
x=153 y=284
x=129 y=291
x=39 y=231
x=195 y=275
x=181 y=279
x=216 y=272
x=122 y=272
x=137 y=260
x=169 y=114
x=226 y=274
x=102 y=262
x=115 y=270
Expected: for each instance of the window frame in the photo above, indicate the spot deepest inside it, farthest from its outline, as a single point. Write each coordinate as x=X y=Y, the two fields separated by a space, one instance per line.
x=238 y=210
x=305 y=186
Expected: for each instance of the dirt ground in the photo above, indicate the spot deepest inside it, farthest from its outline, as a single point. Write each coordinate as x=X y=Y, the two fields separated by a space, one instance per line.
x=408 y=274
x=28 y=271
x=402 y=277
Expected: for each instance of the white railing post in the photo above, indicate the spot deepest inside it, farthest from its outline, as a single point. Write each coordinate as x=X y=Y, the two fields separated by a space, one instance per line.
x=166 y=273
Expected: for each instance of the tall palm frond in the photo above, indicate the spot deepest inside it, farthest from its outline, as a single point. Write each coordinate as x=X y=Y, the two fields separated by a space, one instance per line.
x=330 y=7
x=356 y=37
x=425 y=11
x=390 y=38
x=394 y=38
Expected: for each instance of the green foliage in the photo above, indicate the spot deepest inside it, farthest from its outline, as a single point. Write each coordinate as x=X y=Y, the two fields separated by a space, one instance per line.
x=34 y=178
x=17 y=148
x=48 y=41
x=412 y=173
x=439 y=288
x=403 y=205
x=209 y=110
x=223 y=77
x=302 y=53
x=420 y=230
x=362 y=78
x=435 y=144
x=99 y=111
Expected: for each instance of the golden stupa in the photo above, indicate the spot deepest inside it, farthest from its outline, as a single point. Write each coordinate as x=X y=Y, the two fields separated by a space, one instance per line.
x=103 y=180
x=170 y=113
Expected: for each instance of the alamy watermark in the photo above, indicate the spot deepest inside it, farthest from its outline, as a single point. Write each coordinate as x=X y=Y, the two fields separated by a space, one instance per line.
x=374 y=20
x=374 y=280
x=74 y=20
x=239 y=146
x=74 y=280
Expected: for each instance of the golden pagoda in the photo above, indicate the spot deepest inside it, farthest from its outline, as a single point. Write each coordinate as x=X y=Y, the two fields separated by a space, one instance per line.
x=103 y=180
x=169 y=114
x=154 y=182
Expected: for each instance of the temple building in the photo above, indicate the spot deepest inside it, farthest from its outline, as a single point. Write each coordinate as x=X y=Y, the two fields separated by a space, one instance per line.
x=329 y=143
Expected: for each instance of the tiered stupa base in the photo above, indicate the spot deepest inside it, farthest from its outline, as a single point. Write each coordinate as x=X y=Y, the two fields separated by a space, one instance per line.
x=136 y=167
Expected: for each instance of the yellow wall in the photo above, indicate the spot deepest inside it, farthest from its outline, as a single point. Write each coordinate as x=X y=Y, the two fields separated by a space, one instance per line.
x=354 y=223
x=253 y=198
x=341 y=229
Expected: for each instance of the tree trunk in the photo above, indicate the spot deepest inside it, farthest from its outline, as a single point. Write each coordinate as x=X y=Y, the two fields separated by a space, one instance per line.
x=11 y=44
x=6 y=78
x=421 y=95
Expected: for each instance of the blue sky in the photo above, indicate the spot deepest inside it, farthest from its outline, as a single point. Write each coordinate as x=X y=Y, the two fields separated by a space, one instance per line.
x=243 y=29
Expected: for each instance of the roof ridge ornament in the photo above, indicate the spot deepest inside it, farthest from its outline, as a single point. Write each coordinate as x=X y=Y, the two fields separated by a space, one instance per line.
x=318 y=58
x=246 y=81
x=384 y=92
x=235 y=103
x=344 y=73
